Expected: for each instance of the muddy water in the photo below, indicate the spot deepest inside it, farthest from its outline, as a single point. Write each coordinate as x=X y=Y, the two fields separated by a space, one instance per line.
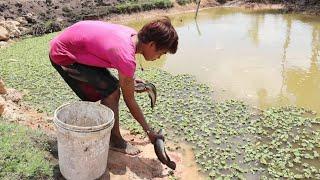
x=266 y=59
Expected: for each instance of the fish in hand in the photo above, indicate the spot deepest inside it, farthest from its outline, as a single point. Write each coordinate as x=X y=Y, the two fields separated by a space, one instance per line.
x=162 y=154
x=150 y=89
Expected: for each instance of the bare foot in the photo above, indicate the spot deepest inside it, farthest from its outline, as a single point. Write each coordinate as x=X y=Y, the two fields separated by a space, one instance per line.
x=120 y=145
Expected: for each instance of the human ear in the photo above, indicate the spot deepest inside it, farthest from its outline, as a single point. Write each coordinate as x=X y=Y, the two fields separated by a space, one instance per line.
x=152 y=44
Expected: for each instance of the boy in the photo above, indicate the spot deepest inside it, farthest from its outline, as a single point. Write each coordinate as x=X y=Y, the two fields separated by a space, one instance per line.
x=83 y=52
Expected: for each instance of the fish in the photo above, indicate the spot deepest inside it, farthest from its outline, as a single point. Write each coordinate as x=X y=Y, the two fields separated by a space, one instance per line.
x=150 y=89
x=140 y=87
x=152 y=93
x=162 y=154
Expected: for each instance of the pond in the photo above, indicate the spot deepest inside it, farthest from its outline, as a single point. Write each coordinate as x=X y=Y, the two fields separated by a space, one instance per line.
x=266 y=59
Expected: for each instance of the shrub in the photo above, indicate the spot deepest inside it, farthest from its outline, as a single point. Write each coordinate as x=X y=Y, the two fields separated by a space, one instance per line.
x=147 y=6
x=183 y=2
x=163 y=4
x=121 y=8
x=136 y=6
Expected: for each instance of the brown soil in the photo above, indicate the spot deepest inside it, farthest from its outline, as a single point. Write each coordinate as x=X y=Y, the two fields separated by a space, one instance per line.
x=254 y=5
x=311 y=7
x=146 y=165
x=306 y=7
x=17 y=113
x=51 y=9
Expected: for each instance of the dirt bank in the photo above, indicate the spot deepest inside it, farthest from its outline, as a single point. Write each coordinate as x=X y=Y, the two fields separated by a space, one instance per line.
x=311 y=7
x=177 y=9
x=306 y=7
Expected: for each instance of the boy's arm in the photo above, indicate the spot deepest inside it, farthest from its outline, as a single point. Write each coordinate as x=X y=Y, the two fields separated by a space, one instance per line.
x=127 y=87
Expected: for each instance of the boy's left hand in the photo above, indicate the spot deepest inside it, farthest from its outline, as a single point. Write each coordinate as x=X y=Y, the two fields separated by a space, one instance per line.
x=138 y=80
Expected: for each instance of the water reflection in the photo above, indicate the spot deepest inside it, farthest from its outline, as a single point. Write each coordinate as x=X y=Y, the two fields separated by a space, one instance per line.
x=305 y=83
x=282 y=98
x=266 y=59
x=198 y=29
x=253 y=31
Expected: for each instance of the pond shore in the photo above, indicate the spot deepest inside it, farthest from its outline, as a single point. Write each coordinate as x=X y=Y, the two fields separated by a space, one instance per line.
x=207 y=4
x=192 y=7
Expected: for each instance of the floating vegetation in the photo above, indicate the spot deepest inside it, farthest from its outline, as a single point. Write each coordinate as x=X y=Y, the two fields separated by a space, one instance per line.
x=230 y=139
x=25 y=66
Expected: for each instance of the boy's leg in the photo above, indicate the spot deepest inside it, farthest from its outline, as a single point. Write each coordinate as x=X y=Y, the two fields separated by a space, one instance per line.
x=117 y=143
x=105 y=82
x=99 y=83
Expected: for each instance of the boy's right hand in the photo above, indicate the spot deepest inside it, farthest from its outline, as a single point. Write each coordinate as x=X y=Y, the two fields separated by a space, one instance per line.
x=153 y=136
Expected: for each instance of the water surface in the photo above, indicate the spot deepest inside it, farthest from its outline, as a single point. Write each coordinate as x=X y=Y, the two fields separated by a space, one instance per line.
x=266 y=59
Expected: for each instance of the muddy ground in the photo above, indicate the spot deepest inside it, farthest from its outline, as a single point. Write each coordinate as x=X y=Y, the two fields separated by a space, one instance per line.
x=44 y=10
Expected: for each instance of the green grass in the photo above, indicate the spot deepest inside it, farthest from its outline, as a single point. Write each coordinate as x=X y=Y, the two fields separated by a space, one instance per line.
x=141 y=5
x=23 y=153
x=230 y=139
x=184 y=2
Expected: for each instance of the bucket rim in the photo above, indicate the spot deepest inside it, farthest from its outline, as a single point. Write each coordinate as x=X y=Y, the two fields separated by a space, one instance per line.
x=81 y=129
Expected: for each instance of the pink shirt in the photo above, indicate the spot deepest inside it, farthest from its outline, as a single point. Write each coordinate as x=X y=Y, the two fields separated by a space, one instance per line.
x=96 y=43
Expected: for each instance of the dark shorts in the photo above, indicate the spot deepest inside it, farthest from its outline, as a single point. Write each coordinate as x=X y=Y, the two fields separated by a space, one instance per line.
x=88 y=82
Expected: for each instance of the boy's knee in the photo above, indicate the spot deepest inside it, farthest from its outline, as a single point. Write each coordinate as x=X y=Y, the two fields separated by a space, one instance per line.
x=115 y=94
x=112 y=99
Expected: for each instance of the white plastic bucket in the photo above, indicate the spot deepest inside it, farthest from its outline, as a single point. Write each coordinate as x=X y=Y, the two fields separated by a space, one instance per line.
x=83 y=132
